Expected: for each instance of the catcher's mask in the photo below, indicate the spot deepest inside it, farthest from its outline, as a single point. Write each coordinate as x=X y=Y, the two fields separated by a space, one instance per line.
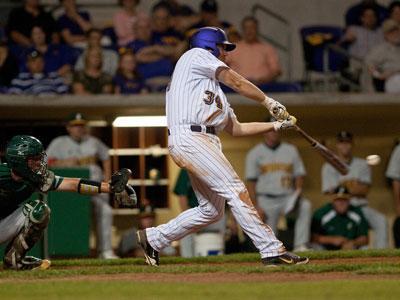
x=26 y=157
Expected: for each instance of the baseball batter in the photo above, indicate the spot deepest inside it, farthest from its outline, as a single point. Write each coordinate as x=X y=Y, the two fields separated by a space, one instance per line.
x=197 y=110
x=22 y=222
x=275 y=175
x=357 y=181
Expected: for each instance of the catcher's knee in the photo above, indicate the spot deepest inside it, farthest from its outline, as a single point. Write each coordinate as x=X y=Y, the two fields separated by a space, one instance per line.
x=37 y=212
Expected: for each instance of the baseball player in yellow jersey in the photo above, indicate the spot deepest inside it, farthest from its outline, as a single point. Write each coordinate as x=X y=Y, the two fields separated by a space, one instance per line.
x=197 y=110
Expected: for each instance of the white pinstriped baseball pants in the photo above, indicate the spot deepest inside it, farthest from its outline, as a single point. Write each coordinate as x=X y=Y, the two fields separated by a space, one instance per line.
x=214 y=182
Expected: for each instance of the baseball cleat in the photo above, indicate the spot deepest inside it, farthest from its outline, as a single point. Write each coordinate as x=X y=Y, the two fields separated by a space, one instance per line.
x=150 y=254
x=285 y=259
x=29 y=263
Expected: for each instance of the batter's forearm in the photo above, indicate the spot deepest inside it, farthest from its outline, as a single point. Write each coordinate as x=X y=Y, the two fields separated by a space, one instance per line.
x=240 y=85
x=246 y=129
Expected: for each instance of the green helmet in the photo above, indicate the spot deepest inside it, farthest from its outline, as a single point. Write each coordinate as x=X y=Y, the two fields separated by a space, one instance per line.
x=19 y=149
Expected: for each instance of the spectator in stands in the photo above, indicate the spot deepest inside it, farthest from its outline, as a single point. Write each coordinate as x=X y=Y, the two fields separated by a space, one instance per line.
x=364 y=37
x=357 y=182
x=353 y=13
x=209 y=17
x=92 y=80
x=80 y=149
x=36 y=81
x=8 y=67
x=73 y=24
x=184 y=18
x=156 y=60
x=109 y=57
x=393 y=173
x=163 y=32
x=254 y=59
x=339 y=225
x=394 y=11
x=57 y=57
x=21 y=21
x=384 y=60
x=125 y=21
x=127 y=80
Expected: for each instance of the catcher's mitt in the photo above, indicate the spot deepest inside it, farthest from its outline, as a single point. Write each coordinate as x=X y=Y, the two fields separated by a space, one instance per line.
x=124 y=196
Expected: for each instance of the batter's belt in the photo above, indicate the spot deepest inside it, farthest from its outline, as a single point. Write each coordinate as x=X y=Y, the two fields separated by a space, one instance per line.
x=199 y=128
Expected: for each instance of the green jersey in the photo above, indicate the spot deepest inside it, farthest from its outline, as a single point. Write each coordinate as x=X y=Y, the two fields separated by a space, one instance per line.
x=13 y=193
x=326 y=221
x=183 y=187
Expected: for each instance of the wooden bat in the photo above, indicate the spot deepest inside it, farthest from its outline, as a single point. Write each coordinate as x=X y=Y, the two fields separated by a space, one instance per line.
x=327 y=154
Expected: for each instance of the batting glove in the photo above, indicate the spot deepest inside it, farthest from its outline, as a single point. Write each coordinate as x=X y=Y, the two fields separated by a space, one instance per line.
x=286 y=124
x=276 y=109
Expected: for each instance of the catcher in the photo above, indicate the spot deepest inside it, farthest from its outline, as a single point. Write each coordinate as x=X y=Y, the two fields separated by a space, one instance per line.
x=24 y=173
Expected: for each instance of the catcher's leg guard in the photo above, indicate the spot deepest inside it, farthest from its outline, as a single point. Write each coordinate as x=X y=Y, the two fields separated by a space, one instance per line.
x=37 y=218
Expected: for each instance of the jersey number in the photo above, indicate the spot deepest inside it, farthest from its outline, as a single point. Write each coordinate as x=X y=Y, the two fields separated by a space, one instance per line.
x=210 y=97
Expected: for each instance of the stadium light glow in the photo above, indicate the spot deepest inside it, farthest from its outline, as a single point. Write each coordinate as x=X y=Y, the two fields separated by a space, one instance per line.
x=140 y=121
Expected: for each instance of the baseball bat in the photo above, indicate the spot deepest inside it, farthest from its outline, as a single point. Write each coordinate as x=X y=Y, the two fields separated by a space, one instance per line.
x=327 y=154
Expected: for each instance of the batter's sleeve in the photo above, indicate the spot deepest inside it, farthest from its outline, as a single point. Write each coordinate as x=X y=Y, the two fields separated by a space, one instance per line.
x=298 y=165
x=393 y=169
x=251 y=168
x=205 y=64
x=330 y=178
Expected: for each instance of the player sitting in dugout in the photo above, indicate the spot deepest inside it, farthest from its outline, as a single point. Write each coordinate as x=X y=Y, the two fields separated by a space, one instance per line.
x=339 y=225
x=23 y=221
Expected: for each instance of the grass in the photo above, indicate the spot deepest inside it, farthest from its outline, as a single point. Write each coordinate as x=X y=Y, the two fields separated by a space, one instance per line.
x=389 y=289
x=40 y=285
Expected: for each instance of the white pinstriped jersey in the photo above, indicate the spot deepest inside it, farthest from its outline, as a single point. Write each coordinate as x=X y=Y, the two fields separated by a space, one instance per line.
x=194 y=95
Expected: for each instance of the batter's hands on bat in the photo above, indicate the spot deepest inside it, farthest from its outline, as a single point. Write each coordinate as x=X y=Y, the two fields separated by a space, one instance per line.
x=124 y=194
x=288 y=123
x=276 y=109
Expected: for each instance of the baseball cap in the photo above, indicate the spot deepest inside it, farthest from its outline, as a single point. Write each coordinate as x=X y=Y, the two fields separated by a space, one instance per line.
x=341 y=192
x=390 y=25
x=344 y=136
x=209 y=6
x=76 y=119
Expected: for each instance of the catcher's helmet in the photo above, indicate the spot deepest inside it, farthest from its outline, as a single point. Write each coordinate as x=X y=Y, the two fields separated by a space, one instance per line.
x=208 y=38
x=19 y=149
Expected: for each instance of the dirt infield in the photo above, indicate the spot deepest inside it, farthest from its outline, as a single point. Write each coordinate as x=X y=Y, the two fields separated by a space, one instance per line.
x=232 y=277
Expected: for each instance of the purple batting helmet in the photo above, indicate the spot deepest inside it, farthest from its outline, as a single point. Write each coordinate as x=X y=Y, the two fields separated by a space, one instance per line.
x=208 y=38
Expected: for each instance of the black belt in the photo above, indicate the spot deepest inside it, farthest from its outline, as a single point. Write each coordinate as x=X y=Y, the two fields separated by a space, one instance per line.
x=197 y=128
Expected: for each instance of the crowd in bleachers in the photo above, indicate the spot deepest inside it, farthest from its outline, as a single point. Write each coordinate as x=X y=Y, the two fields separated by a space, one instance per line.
x=44 y=54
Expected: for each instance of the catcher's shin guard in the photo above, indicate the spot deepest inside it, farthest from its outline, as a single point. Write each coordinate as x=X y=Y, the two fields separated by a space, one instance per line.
x=37 y=218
